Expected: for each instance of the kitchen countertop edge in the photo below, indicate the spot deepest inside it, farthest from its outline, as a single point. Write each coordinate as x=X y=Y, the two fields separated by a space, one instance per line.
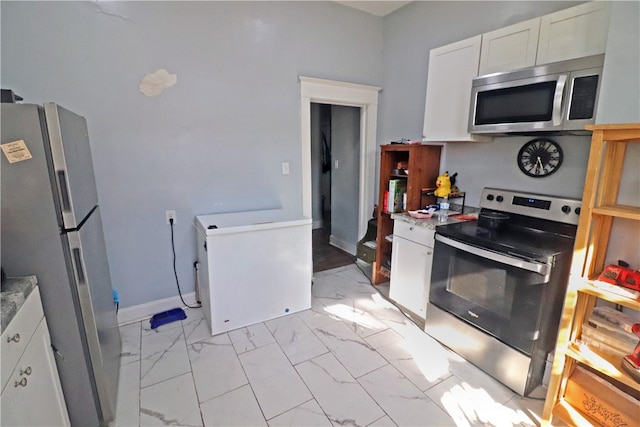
x=15 y=292
x=432 y=222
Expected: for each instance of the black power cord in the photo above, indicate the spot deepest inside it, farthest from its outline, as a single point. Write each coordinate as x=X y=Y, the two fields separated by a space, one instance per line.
x=175 y=272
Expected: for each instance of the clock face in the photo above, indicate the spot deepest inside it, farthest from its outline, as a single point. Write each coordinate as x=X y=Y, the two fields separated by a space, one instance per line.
x=540 y=157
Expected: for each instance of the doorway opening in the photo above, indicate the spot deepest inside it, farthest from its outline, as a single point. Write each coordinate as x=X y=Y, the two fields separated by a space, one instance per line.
x=335 y=166
x=337 y=93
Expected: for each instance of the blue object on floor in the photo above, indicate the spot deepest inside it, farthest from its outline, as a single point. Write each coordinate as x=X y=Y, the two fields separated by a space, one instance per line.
x=167 y=317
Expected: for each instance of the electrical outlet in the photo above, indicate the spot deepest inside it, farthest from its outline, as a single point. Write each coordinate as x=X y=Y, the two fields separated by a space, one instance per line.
x=171 y=215
x=285 y=168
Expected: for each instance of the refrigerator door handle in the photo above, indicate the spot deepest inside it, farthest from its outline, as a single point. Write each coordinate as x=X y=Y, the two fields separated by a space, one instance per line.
x=64 y=190
x=77 y=257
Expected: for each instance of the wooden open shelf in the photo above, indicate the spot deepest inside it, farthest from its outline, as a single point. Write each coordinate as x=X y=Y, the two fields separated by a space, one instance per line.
x=599 y=209
x=605 y=363
x=571 y=416
x=423 y=164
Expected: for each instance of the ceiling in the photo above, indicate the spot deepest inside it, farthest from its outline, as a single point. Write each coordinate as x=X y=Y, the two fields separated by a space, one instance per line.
x=378 y=8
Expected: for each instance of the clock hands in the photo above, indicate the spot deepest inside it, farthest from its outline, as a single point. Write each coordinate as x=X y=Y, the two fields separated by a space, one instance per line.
x=540 y=158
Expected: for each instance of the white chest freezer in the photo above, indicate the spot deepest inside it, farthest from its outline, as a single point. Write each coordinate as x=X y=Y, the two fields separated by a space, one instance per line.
x=253 y=266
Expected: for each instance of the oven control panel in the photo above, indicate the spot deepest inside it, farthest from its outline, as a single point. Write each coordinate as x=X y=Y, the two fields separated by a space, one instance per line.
x=552 y=208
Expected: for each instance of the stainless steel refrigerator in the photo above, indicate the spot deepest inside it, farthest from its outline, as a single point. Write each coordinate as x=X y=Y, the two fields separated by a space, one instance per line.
x=51 y=227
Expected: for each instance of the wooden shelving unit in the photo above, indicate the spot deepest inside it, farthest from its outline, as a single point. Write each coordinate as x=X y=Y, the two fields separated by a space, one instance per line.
x=599 y=209
x=423 y=165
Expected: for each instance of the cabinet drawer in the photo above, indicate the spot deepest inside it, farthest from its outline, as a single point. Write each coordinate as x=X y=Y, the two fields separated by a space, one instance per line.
x=415 y=233
x=19 y=332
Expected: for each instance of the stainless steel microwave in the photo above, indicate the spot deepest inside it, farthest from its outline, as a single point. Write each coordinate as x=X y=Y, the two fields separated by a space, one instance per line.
x=556 y=97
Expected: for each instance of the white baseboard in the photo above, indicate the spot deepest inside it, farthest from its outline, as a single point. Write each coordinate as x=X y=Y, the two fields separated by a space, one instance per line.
x=347 y=247
x=317 y=224
x=146 y=310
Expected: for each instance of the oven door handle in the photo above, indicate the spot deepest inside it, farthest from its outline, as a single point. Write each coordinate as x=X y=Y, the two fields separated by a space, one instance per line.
x=542 y=269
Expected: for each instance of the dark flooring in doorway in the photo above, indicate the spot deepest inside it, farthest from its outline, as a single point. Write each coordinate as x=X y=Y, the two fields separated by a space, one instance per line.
x=326 y=256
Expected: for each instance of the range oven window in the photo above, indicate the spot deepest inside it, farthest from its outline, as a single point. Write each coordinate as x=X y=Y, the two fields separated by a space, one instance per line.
x=487 y=288
x=496 y=297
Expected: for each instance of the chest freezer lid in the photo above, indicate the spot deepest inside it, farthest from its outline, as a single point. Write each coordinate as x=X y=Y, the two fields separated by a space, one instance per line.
x=239 y=222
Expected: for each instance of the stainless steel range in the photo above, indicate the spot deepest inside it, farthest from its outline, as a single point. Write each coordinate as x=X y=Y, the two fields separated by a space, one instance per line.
x=497 y=285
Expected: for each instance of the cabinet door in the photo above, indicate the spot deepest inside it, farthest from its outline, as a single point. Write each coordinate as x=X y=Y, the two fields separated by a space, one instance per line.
x=575 y=32
x=12 y=410
x=33 y=396
x=451 y=68
x=510 y=48
x=410 y=275
x=16 y=336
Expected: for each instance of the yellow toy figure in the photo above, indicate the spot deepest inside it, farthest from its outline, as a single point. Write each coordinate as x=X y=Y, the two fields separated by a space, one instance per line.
x=443 y=185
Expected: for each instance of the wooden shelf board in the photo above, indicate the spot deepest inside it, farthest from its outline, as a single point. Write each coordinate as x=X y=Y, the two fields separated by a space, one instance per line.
x=614 y=126
x=619 y=211
x=571 y=416
x=429 y=191
x=612 y=293
x=605 y=363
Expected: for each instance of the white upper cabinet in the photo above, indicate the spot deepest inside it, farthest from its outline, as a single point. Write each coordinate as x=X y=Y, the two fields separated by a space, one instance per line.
x=510 y=48
x=451 y=69
x=575 y=32
x=570 y=33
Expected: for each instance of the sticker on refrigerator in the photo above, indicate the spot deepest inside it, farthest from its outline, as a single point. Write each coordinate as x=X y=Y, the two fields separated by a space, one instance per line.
x=16 y=151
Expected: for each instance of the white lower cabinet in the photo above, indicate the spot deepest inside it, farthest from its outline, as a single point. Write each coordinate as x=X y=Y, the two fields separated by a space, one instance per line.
x=32 y=395
x=411 y=261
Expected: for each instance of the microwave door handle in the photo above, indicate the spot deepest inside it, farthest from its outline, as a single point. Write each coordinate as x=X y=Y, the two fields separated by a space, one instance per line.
x=556 y=117
x=542 y=269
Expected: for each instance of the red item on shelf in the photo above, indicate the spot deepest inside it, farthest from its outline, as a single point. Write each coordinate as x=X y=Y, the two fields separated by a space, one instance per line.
x=621 y=275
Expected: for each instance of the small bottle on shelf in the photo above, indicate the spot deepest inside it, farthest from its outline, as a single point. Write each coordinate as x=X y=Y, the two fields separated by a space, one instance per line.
x=443 y=213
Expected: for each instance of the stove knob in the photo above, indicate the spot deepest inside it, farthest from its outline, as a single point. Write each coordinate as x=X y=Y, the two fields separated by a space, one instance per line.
x=499 y=199
x=566 y=209
x=489 y=197
x=577 y=211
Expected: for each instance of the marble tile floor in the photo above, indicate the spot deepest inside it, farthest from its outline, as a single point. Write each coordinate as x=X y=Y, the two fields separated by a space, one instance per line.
x=353 y=359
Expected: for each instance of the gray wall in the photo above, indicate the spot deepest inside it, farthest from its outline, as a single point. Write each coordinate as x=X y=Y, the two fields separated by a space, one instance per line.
x=345 y=149
x=409 y=34
x=215 y=141
x=620 y=103
x=413 y=30
x=620 y=94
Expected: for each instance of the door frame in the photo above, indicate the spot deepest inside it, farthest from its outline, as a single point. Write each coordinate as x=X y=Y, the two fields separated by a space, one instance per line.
x=352 y=95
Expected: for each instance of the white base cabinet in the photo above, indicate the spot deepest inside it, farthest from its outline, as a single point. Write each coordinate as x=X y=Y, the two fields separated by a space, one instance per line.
x=32 y=395
x=411 y=262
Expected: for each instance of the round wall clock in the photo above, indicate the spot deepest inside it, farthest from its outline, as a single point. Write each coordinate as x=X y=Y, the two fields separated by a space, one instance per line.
x=540 y=157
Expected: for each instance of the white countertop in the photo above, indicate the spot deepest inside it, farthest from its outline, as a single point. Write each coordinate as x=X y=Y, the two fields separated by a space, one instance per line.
x=432 y=222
